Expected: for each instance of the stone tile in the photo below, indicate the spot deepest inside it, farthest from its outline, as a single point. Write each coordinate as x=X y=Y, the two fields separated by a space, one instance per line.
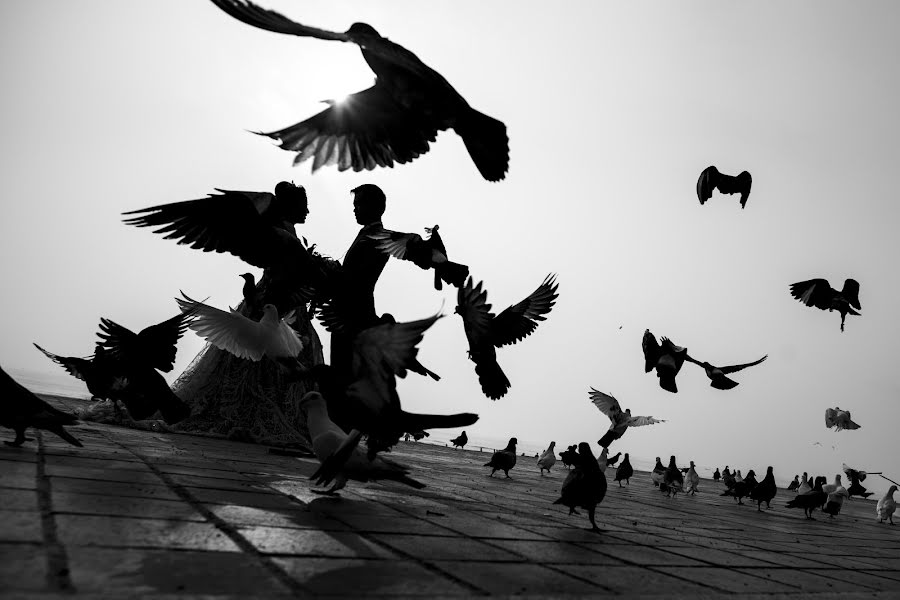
x=647 y=556
x=516 y=578
x=632 y=581
x=446 y=548
x=551 y=551
x=133 y=572
x=124 y=506
x=392 y=524
x=807 y=581
x=22 y=567
x=83 y=530
x=252 y=499
x=22 y=454
x=353 y=578
x=481 y=527
x=721 y=557
x=729 y=580
x=16 y=499
x=311 y=542
x=21 y=526
x=100 y=474
x=855 y=580
x=242 y=516
x=112 y=488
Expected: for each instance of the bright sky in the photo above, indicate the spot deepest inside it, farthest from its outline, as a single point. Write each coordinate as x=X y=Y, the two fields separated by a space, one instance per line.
x=613 y=109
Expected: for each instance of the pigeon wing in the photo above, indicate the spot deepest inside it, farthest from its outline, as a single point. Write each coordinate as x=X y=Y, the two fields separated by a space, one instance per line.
x=518 y=321
x=707 y=183
x=851 y=293
x=606 y=404
x=388 y=349
x=262 y=18
x=733 y=368
x=405 y=246
x=228 y=331
x=75 y=366
x=830 y=415
x=815 y=292
x=476 y=313
x=641 y=421
x=651 y=350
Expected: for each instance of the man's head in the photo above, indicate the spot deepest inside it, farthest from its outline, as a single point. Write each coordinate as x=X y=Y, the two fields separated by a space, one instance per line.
x=291 y=202
x=368 y=203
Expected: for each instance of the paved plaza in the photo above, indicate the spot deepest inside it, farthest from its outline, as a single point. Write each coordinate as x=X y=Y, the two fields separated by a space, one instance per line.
x=145 y=514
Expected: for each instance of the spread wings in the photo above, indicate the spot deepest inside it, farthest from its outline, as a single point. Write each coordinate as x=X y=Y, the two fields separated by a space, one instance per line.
x=607 y=404
x=154 y=346
x=518 y=321
x=734 y=368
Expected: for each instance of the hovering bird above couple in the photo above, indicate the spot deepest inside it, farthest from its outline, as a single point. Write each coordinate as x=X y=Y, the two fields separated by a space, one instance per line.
x=818 y=293
x=667 y=359
x=395 y=120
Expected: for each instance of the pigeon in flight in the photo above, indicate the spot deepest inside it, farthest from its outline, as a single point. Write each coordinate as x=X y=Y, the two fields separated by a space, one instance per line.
x=711 y=179
x=460 y=441
x=818 y=293
x=855 y=477
x=391 y=122
x=887 y=506
x=584 y=486
x=139 y=358
x=257 y=227
x=241 y=336
x=620 y=421
x=717 y=375
x=98 y=372
x=666 y=358
x=548 y=458
x=839 y=419
x=503 y=460
x=20 y=409
x=426 y=254
x=486 y=331
x=328 y=437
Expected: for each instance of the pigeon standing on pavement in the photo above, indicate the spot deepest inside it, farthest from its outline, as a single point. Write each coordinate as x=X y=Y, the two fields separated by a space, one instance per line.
x=659 y=473
x=328 y=437
x=503 y=460
x=625 y=471
x=548 y=458
x=21 y=409
x=765 y=490
x=794 y=484
x=717 y=476
x=612 y=460
x=460 y=441
x=711 y=179
x=809 y=502
x=569 y=456
x=835 y=497
x=585 y=485
x=804 y=487
x=673 y=480
x=886 y=506
x=742 y=488
x=391 y=122
x=818 y=293
x=692 y=480
x=486 y=332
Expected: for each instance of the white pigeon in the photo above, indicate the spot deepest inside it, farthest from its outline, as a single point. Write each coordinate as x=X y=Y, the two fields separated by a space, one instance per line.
x=245 y=338
x=693 y=480
x=836 y=494
x=839 y=419
x=548 y=458
x=328 y=437
x=738 y=477
x=886 y=506
x=830 y=488
x=602 y=459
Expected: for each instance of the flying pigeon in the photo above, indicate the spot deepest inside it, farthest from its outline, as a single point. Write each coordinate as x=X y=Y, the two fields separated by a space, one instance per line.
x=461 y=440
x=711 y=179
x=486 y=332
x=666 y=358
x=765 y=490
x=620 y=421
x=503 y=460
x=818 y=293
x=856 y=489
x=426 y=254
x=392 y=121
x=20 y=409
x=625 y=471
x=98 y=372
x=548 y=458
x=328 y=437
x=717 y=375
x=585 y=485
x=886 y=506
x=839 y=419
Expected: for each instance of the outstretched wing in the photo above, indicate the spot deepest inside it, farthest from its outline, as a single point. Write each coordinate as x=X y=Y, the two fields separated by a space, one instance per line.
x=366 y=130
x=518 y=321
x=733 y=368
x=75 y=366
x=230 y=221
x=651 y=350
x=640 y=421
x=154 y=346
x=405 y=246
x=254 y=15
x=815 y=292
x=851 y=293
x=607 y=404
x=472 y=306
x=830 y=415
x=707 y=182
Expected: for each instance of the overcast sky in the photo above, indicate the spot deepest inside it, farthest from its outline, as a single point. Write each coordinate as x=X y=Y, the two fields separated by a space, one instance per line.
x=613 y=109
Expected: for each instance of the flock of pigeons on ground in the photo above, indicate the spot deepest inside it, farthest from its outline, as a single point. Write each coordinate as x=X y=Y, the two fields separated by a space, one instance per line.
x=394 y=121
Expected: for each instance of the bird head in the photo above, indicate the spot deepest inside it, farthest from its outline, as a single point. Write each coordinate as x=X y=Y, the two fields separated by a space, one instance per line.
x=362 y=30
x=751 y=473
x=249 y=278
x=291 y=202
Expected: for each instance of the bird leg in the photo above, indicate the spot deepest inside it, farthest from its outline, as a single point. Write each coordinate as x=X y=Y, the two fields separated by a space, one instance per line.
x=594 y=527
x=20 y=439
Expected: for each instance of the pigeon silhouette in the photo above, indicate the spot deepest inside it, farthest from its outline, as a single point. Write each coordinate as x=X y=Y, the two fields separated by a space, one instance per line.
x=839 y=419
x=673 y=480
x=584 y=486
x=717 y=375
x=692 y=480
x=98 y=372
x=486 y=332
x=818 y=293
x=658 y=474
x=810 y=501
x=569 y=456
x=795 y=484
x=666 y=358
x=503 y=460
x=887 y=506
x=21 y=409
x=742 y=487
x=625 y=471
x=855 y=477
x=620 y=421
x=711 y=179
x=328 y=437
x=460 y=441
x=548 y=458
x=765 y=490
x=391 y=122
x=835 y=497
x=612 y=460
x=425 y=253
